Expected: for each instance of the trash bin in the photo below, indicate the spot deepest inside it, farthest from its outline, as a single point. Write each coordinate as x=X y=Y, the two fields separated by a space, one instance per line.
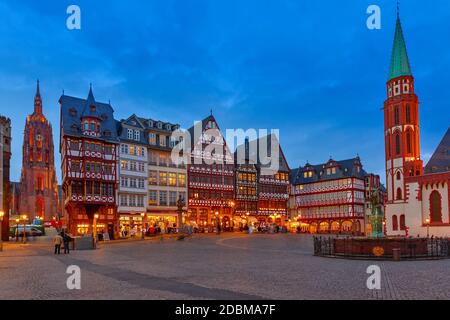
x=396 y=254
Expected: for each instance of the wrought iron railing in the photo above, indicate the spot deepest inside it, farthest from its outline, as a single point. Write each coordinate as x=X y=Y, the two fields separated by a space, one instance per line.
x=382 y=248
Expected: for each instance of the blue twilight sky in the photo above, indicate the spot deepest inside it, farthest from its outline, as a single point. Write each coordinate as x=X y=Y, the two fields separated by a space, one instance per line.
x=310 y=68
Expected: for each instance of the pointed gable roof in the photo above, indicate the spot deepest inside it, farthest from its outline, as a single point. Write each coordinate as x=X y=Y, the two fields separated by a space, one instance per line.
x=283 y=164
x=91 y=108
x=440 y=160
x=72 y=110
x=399 y=58
x=135 y=121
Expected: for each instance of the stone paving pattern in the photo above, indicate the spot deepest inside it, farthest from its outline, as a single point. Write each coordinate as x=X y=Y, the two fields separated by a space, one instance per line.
x=229 y=266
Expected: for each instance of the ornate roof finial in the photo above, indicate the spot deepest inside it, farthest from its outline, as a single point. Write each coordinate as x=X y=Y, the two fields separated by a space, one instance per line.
x=210 y=111
x=398 y=9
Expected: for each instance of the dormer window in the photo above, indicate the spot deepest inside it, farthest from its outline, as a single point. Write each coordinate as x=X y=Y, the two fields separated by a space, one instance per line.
x=137 y=135
x=159 y=125
x=130 y=134
x=92 y=108
x=167 y=126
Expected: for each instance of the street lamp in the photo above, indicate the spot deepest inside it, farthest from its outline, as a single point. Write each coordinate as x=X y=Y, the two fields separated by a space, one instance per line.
x=142 y=227
x=94 y=233
x=427 y=220
x=24 y=217
x=17 y=229
x=1 y=234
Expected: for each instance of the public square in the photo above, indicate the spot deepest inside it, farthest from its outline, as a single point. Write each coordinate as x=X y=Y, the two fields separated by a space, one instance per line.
x=227 y=266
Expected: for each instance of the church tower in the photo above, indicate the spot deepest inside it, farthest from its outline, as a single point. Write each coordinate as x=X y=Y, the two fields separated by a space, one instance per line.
x=401 y=123
x=38 y=184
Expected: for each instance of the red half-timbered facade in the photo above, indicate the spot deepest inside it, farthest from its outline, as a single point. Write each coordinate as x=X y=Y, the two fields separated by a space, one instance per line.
x=273 y=185
x=89 y=162
x=330 y=197
x=210 y=178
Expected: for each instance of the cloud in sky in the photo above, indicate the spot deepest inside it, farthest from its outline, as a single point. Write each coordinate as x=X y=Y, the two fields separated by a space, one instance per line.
x=311 y=69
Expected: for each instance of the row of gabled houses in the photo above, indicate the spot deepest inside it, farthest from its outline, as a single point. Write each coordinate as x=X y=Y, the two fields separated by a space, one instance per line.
x=126 y=175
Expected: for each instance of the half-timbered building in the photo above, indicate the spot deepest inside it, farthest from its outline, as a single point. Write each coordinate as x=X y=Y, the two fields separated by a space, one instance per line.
x=89 y=162
x=210 y=178
x=330 y=197
x=273 y=184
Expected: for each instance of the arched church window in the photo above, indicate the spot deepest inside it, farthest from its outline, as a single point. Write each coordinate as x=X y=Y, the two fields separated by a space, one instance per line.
x=399 y=194
x=408 y=113
x=398 y=175
x=394 y=223
x=397 y=143
x=402 y=222
x=435 y=207
x=408 y=142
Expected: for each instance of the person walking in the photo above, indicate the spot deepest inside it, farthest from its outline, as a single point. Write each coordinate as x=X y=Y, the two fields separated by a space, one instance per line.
x=58 y=241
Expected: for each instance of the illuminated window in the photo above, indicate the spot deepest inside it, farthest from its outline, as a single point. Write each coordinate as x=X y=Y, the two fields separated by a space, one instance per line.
x=163 y=178
x=181 y=179
x=153 y=177
x=152 y=138
x=172 y=179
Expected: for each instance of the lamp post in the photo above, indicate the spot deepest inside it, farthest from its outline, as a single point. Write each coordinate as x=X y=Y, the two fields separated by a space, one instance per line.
x=142 y=227
x=94 y=233
x=17 y=229
x=427 y=220
x=1 y=234
x=24 y=217
x=217 y=222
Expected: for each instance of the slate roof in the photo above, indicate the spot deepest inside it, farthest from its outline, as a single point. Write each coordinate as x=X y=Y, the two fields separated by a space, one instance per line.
x=73 y=109
x=283 y=165
x=440 y=160
x=344 y=169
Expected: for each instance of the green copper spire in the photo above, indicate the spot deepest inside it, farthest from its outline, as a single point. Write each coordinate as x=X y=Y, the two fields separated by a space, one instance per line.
x=399 y=59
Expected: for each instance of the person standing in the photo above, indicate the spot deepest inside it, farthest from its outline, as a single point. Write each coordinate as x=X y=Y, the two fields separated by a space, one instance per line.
x=66 y=239
x=58 y=241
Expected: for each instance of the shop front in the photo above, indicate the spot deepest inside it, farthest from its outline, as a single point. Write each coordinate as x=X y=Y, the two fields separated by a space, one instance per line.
x=130 y=225
x=164 y=222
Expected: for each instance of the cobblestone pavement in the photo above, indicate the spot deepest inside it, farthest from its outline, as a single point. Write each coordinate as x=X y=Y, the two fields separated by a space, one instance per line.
x=229 y=266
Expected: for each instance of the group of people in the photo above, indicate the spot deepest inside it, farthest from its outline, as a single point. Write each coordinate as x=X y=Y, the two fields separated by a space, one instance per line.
x=151 y=230
x=60 y=239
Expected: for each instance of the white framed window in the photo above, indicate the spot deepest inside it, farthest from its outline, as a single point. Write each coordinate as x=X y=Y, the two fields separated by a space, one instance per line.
x=130 y=134
x=140 y=201
x=123 y=200
x=173 y=198
x=132 y=201
x=137 y=135
x=163 y=198
x=141 y=184
x=152 y=138
x=152 y=197
x=159 y=125
x=124 y=182
x=124 y=149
